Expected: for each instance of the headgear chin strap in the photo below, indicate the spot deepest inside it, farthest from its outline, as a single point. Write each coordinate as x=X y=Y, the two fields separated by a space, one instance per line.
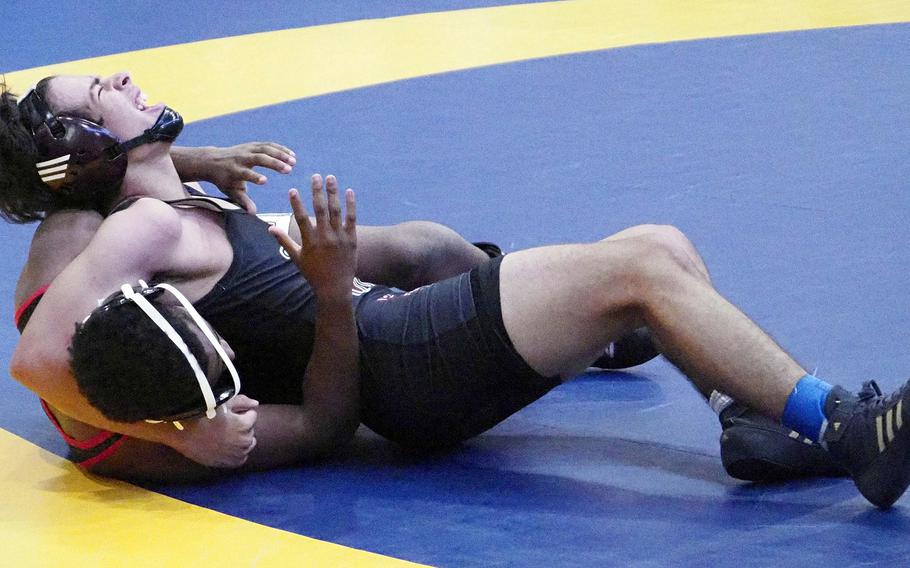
x=166 y=129
x=80 y=158
x=204 y=387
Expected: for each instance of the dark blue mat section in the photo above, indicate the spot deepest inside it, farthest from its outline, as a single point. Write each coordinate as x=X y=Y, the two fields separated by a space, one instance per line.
x=783 y=157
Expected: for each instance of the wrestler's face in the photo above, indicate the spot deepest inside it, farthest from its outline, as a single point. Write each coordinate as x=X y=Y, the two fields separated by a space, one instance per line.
x=114 y=102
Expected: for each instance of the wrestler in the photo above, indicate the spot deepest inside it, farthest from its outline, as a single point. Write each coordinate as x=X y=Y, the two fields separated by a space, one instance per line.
x=465 y=353
x=406 y=255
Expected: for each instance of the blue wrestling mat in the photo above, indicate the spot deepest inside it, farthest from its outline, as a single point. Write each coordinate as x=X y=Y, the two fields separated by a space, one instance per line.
x=783 y=156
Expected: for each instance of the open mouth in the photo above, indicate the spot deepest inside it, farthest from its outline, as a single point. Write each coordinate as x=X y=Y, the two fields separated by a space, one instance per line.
x=141 y=101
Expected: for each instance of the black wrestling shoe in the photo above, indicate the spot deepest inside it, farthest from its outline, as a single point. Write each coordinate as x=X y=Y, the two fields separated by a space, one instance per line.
x=491 y=249
x=866 y=433
x=756 y=448
x=632 y=350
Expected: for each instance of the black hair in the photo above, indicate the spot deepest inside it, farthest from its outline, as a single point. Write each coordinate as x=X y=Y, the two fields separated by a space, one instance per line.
x=129 y=369
x=23 y=196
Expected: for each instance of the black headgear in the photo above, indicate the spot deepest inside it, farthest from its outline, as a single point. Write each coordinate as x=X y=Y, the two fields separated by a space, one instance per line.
x=79 y=157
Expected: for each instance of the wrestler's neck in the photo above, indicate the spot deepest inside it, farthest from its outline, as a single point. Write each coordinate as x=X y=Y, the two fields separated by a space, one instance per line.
x=151 y=173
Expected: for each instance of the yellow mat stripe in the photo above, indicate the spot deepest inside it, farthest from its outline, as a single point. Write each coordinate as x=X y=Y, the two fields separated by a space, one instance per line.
x=222 y=76
x=53 y=515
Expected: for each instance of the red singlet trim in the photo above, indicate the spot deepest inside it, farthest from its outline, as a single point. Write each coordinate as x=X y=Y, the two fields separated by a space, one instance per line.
x=31 y=299
x=103 y=455
x=89 y=444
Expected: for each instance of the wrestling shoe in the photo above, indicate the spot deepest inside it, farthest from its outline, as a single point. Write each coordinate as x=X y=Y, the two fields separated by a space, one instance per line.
x=632 y=350
x=866 y=434
x=756 y=448
x=491 y=249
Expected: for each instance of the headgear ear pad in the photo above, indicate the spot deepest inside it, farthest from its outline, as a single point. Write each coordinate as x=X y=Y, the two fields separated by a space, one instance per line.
x=81 y=159
x=81 y=166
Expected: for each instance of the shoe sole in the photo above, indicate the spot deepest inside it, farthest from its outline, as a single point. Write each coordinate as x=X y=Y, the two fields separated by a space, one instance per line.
x=895 y=474
x=757 y=455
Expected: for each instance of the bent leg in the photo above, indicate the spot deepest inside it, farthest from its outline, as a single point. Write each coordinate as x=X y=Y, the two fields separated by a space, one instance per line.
x=561 y=305
x=409 y=255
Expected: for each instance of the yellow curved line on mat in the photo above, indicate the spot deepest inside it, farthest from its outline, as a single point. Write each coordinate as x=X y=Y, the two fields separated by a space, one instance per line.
x=216 y=77
x=55 y=516
x=60 y=517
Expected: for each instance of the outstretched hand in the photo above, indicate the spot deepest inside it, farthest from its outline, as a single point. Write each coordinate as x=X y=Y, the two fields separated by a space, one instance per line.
x=327 y=255
x=230 y=168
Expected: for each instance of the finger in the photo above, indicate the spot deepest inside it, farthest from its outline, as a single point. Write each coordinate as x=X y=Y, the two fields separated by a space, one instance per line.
x=277 y=152
x=298 y=208
x=283 y=148
x=245 y=201
x=331 y=188
x=242 y=402
x=273 y=158
x=246 y=421
x=320 y=209
x=305 y=224
x=350 y=207
x=261 y=146
x=285 y=241
x=251 y=176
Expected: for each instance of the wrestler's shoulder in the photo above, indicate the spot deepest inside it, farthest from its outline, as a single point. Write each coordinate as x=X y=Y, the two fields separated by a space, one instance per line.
x=146 y=218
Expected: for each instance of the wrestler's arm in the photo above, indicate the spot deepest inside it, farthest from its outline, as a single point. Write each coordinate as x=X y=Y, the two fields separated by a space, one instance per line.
x=326 y=257
x=280 y=440
x=122 y=250
x=285 y=435
x=230 y=168
x=56 y=242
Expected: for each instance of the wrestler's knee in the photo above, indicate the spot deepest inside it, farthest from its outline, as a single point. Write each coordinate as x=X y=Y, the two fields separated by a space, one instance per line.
x=648 y=261
x=412 y=250
x=663 y=240
x=426 y=252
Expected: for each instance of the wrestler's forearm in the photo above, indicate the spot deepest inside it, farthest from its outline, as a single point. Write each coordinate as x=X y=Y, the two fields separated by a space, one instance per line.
x=58 y=387
x=192 y=163
x=331 y=393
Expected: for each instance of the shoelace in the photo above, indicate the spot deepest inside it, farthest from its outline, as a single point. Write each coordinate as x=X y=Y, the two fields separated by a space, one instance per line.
x=877 y=403
x=870 y=390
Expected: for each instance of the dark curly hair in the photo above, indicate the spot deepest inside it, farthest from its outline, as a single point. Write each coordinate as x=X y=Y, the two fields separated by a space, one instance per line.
x=129 y=369
x=24 y=198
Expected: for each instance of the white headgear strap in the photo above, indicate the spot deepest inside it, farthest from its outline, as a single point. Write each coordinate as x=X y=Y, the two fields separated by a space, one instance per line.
x=172 y=334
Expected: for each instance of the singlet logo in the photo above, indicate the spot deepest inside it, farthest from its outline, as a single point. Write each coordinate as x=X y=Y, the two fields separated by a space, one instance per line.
x=284 y=253
x=55 y=169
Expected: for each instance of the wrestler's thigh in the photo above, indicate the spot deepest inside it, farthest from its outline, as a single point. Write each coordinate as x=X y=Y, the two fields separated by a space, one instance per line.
x=373 y=243
x=377 y=252
x=561 y=305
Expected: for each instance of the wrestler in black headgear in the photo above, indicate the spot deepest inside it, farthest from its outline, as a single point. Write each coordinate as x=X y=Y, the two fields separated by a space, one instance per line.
x=80 y=158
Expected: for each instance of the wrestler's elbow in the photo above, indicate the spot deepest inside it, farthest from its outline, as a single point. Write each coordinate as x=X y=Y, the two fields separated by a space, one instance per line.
x=36 y=369
x=330 y=434
x=25 y=367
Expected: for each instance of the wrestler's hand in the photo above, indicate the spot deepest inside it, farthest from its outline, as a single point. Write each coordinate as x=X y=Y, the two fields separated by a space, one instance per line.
x=327 y=255
x=230 y=168
x=224 y=441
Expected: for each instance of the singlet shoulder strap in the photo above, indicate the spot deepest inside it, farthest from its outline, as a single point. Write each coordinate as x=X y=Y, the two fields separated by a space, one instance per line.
x=205 y=202
x=196 y=199
x=123 y=205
